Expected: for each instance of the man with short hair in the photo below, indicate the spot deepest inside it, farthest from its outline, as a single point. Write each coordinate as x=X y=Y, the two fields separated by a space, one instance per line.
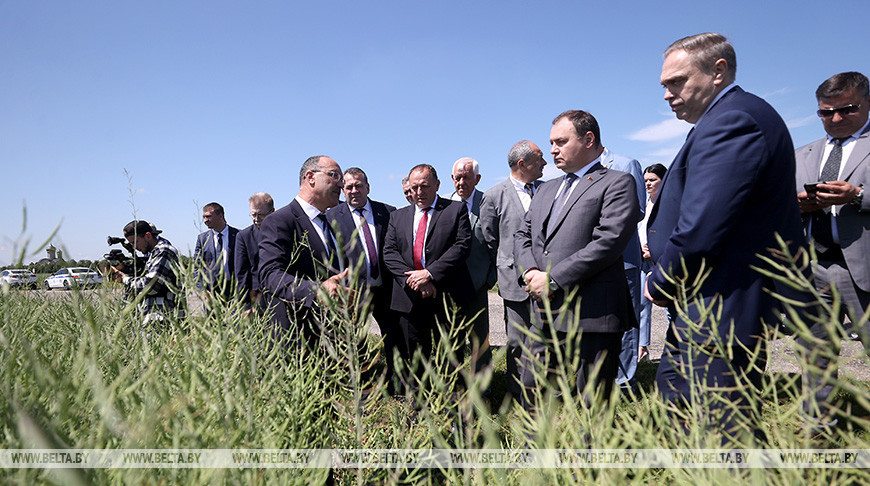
x=157 y=287
x=299 y=260
x=481 y=266
x=215 y=251
x=726 y=196
x=406 y=190
x=569 y=252
x=502 y=209
x=247 y=257
x=362 y=227
x=425 y=249
x=837 y=216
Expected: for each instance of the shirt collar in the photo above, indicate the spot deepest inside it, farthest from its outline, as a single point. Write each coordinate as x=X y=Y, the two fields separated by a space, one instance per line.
x=310 y=210
x=367 y=207
x=588 y=166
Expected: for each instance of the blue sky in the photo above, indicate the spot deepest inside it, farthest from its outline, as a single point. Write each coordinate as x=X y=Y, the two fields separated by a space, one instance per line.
x=204 y=101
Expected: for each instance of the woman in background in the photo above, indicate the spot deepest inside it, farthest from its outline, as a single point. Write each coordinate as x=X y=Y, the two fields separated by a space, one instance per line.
x=652 y=178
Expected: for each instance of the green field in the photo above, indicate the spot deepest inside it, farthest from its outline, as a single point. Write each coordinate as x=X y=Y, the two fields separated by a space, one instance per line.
x=78 y=371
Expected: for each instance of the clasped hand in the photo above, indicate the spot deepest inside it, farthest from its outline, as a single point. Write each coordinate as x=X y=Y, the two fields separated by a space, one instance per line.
x=421 y=281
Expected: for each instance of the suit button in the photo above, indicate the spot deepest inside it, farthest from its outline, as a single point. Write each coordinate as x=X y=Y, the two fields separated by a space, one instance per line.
x=546 y=252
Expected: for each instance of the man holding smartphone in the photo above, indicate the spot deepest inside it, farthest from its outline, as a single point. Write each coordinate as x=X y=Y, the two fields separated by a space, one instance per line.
x=837 y=218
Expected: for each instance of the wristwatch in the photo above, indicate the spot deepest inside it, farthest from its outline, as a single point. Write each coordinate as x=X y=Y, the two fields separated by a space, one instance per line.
x=858 y=198
x=553 y=285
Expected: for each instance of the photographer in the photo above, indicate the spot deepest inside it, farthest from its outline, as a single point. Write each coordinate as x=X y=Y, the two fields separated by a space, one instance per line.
x=157 y=285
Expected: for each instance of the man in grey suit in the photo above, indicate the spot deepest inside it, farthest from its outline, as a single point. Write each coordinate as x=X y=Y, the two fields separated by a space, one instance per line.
x=632 y=261
x=837 y=216
x=502 y=210
x=481 y=265
x=569 y=251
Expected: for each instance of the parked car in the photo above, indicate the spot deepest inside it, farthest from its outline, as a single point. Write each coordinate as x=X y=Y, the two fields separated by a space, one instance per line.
x=67 y=278
x=19 y=277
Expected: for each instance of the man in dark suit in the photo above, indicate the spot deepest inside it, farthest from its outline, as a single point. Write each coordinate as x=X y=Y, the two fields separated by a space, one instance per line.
x=502 y=210
x=481 y=265
x=425 y=249
x=247 y=257
x=215 y=252
x=837 y=216
x=569 y=251
x=728 y=192
x=299 y=263
x=362 y=227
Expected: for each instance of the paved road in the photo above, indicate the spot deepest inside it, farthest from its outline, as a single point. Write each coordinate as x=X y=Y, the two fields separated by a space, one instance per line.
x=854 y=362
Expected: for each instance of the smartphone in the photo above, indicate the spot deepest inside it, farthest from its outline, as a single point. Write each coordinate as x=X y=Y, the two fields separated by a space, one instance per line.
x=813 y=187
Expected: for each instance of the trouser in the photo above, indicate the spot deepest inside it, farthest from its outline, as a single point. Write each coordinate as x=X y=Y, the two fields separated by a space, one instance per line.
x=821 y=351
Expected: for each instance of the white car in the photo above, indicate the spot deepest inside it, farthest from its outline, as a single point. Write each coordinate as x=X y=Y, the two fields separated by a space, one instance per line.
x=18 y=277
x=70 y=277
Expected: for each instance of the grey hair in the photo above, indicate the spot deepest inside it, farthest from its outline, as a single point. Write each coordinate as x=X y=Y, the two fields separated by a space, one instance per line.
x=475 y=167
x=705 y=49
x=521 y=150
x=311 y=163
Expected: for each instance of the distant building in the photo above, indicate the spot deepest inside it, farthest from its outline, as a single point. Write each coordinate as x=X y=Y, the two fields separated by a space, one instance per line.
x=53 y=255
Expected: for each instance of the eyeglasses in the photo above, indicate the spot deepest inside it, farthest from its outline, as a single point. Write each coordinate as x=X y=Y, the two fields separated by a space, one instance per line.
x=335 y=174
x=843 y=111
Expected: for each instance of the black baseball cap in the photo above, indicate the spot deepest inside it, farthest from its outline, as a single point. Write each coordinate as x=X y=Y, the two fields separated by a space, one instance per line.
x=140 y=227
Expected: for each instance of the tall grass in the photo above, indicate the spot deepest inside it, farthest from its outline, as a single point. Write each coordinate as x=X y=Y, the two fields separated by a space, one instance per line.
x=77 y=370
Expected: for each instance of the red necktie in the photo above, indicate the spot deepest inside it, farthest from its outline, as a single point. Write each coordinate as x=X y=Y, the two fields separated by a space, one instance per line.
x=420 y=238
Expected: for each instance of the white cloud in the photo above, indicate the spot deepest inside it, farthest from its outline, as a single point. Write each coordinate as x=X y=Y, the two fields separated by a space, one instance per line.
x=801 y=122
x=661 y=131
x=778 y=92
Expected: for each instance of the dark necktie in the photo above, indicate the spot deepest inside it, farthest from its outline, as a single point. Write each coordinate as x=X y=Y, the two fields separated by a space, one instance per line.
x=220 y=245
x=831 y=170
x=530 y=188
x=374 y=272
x=822 y=232
x=420 y=239
x=559 y=203
x=327 y=235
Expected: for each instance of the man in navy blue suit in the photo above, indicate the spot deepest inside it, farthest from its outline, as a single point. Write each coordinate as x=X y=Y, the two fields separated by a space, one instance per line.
x=362 y=227
x=728 y=192
x=247 y=257
x=215 y=251
x=299 y=263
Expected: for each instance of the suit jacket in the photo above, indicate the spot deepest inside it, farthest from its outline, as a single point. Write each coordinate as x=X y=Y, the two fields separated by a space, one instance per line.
x=349 y=237
x=481 y=265
x=584 y=251
x=727 y=192
x=501 y=216
x=632 y=258
x=205 y=249
x=853 y=223
x=292 y=263
x=247 y=259
x=448 y=243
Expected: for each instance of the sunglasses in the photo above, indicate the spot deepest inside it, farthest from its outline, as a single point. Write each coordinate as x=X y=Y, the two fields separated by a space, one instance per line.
x=843 y=111
x=335 y=174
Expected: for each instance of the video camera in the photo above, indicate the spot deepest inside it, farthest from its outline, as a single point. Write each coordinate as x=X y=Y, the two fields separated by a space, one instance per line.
x=130 y=264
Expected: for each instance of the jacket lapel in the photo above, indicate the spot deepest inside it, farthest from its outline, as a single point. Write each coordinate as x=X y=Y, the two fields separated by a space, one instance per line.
x=583 y=184
x=859 y=153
